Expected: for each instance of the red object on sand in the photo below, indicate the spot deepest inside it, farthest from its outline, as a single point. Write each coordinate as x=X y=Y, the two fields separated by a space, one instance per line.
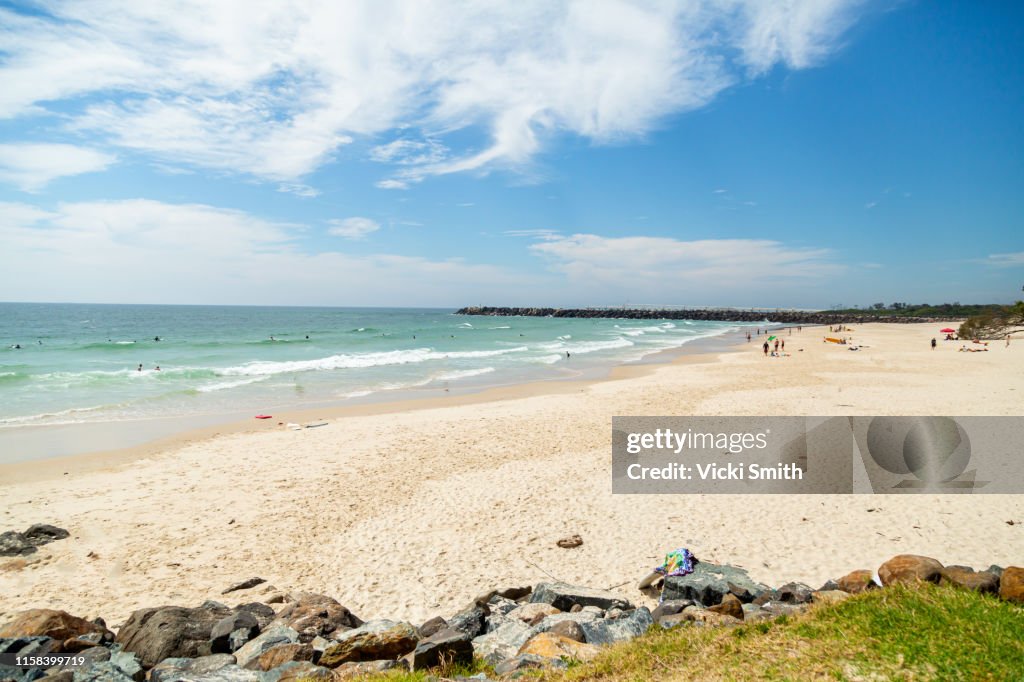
x=263 y=416
x=947 y=330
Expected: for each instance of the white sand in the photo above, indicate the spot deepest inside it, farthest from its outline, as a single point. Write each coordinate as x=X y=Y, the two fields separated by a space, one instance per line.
x=410 y=514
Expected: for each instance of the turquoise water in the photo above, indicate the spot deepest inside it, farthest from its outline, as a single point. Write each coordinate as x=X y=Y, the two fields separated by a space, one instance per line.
x=79 y=363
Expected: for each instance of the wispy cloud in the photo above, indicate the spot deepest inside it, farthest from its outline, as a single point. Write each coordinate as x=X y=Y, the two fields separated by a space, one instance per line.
x=353 y=228
x=871 y=204
x=533 y=234
x=298 y=189
x=30 y=167
x=1006 y=260
x=276 y=90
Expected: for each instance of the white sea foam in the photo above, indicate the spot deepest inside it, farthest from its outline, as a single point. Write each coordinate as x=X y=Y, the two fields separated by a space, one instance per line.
x=504 y=327
x=463 y=374
x=361 y=360
x=225 y=385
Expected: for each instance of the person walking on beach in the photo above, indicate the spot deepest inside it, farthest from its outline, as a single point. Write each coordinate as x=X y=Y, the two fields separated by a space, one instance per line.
x=765 y=349
x=748 y=338
x=1007 y=340
x=776 y=345
x=933 y=344
x=783 y=345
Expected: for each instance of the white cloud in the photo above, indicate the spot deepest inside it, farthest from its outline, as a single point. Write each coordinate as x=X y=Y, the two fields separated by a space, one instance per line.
x=30 y=166
x=353 y=228
x=871 y=204
x=298 y=189
x=1006 y=260
x=276 y=90
x=533 y=234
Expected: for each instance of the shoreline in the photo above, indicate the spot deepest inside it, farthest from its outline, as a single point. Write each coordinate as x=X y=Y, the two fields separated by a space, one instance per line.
x=184 y=430
x=480 y=492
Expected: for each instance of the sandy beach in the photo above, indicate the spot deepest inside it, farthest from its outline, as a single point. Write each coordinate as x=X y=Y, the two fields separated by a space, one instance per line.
x=409 y=510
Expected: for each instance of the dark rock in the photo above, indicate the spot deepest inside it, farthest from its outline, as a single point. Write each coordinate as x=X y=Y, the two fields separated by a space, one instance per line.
x=529 y=662
x=670 y=608
x=170 y=632
x=313 y=615
x=909 y=568
x=570 y=542
x=448 y=645
x=13 y=543
x=43 y=533
x=117 y=666
x=284 y=653
x=965 y=577
x=730 y=606
x=765 y=597
x=620 y=629
x=570 y=630
x=244 y=585
x=233 y=631
x=501 y=606
x=856 y=582
x=372 y=641
x=435 y=624
x=795 y=593
x=564 y=596
x=274 y=635
x=997 y=570
x=829 y=586
x=471 y=621
x=514 y=593
x=261 y=612
x=30 y=646
x=710 y=582
x=82 y=642
x=1011 y=584
x=180 y=669
x=59 y=625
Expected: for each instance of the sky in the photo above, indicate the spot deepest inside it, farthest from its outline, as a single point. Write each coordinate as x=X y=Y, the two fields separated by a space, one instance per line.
x=800 y=153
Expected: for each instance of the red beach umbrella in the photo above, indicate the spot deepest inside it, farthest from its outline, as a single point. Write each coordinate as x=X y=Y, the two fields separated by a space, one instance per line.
x=947 y=330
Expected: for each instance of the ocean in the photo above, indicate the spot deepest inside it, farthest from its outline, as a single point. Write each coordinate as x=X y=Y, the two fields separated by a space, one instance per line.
x=79 y=363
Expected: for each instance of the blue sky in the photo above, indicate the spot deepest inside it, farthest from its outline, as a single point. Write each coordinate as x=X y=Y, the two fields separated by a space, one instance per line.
x=735 y=152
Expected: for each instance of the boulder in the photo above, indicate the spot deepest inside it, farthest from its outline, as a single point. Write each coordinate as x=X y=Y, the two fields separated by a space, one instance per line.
x=528 y=662
x=448 y=645
x=43 y=533
x=244 y=585
x=514 y=593
x=13 y=543
x=963 y=576
x=569 y=629
x=670 y=608
x=501 y=606
x=856 y=582
x=30 y=646
x=1011 y=584
x=366 y=668
x=375 y=640
x=829 y=596
x=181 y=669
x=549 y=645
x=263 y=614
x=503 y=638
x=231 y=632
x=313 y=615
x=564 y=596
x=909 y=568
x=729 y=606
x=274 y=635
x=170 y=632
x=696 y=614
x=284 y=653
x=228 y=673
x=618 y=630
x=531 y=614
x=59 y=625
x=471 y=621
x=710 y=582
x=298 y=671
x=794 y=593
x=435 y=624
x=781 y=608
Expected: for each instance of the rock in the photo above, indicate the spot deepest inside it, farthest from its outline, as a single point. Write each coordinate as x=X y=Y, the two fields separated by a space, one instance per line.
x=375 y=640
x=59 y=625
x=471 y=621
x=965 y=577
x=730 y=606
x=514 y=593
x=829 y=596
x=180 y=669
x=828 y=586
x=274 y=635
x=448 y=645
x=364 y=668
x=570 y=630
x=528 y=662
x=564 y=596
x=550 y=645
x=263 y=614
x=620 y=629
x=170 y=632
x=710 y=582
x=779 y=608
x=228 y=673
x=909 y=568
x=501 y=606
x=612 y=614
x=30 y=646
x=298 y=671
x=313 y=615
x=244 y=585
x=696 y=614
x=43 y=533
x=856 y=582
x=231 y=632
x=794 y=593
x=670 y=608
x=1011 y=584
x=284 y=653
x=570 y=542
x=435 y=624
x=13 y=543
x=503 y=639
x=82 y=642
x=768 y=595
x=997 y=570
x=51 y=676
x=531 y=614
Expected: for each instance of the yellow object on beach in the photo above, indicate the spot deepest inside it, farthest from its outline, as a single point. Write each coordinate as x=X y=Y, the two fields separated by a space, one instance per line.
x=832 y=340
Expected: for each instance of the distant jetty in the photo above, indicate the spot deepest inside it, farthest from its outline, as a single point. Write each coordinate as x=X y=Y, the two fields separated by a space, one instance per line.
x=709 y=314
